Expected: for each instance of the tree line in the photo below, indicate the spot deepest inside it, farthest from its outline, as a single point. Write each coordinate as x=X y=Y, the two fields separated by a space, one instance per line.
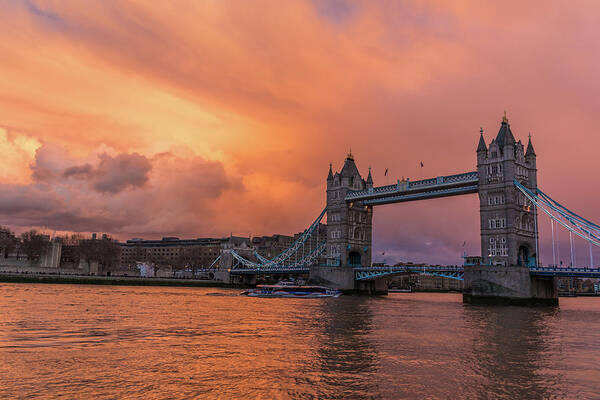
x=33 y=244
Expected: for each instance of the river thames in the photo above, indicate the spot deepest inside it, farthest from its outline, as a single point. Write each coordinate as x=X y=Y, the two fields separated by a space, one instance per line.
x=69 y=341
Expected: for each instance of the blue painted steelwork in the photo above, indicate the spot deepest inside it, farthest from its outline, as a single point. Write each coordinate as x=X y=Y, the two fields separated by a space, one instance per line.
x=271 y=271
x=302 y=263
x=566 y=272
x=369 y=273
x=215 y=261
x=430 y=194
x=565 y=217
x=440 y=186
x=278 y=261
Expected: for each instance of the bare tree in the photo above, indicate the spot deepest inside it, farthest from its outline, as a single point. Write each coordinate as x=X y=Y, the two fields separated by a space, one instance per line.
x=108 y=252
x=105 y=251
x=189 y=257
x=159 y=262
x=34 y=244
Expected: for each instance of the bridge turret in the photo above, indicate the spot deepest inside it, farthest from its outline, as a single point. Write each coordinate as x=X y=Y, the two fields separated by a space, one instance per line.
x=530 y=159
x=506 y=140
x=482 y=151
x=349 y=224
x=507 y=219
x=369 y=180
x=530 y=155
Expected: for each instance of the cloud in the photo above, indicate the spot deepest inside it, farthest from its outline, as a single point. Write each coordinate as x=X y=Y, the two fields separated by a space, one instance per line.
x=123 y=194
x=79 y=171
x=251 y=101
x=117 y=173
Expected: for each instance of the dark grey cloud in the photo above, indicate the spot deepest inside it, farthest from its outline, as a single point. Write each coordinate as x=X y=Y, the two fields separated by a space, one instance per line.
x=79 y=171
x=123 y=194
x=114 y=174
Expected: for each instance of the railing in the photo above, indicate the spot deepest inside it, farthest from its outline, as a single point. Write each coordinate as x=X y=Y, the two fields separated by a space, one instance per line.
x=405 y=186
x=369 y=273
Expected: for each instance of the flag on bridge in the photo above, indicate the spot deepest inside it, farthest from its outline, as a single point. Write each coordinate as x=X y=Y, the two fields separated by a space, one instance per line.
x=385 y=174
x=421 y=164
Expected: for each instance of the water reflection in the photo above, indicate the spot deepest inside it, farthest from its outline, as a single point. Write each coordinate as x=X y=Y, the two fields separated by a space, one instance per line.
x=63 y=341
x=510 y=351
x=347 y=356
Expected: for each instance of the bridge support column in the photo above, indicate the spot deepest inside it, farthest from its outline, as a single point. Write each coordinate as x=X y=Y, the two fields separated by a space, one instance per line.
x=343 y=278
x=337 y=277
x=372 y=287
x=223 y=275
x=507 y=285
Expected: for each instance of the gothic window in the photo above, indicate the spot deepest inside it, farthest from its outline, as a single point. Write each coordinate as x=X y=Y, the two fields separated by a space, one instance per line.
x=494 y=154
x=498 y=247
x=497 y=223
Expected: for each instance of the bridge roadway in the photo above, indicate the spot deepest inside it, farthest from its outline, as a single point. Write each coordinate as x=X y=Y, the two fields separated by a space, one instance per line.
x=441 y=186
x=452 y=272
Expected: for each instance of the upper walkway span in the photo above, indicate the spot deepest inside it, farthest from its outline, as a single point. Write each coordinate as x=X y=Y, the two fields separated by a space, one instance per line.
x=405 y=190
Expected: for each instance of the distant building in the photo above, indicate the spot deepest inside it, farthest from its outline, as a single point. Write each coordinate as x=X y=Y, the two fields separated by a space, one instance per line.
x=271 y=246
x=169 y=249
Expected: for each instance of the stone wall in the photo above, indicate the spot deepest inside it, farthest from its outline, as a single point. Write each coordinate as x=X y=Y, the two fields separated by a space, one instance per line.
x=336 y=277
x=27 y=269
x=507 y=285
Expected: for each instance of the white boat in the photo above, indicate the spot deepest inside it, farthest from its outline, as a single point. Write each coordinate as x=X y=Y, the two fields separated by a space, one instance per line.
x=399 y=291
x=287 y=290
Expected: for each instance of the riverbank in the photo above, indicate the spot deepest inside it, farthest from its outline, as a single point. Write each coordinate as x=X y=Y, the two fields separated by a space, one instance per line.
x=109 y=280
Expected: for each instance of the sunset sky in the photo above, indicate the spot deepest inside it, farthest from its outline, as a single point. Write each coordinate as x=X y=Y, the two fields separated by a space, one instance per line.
x=205 y=118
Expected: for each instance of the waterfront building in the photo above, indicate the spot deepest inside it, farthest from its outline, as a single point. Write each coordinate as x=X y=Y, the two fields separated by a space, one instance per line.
x=270 y=246
x=170 y=250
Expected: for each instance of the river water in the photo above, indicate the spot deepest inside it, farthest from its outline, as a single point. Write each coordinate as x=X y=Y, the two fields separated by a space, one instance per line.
x=115 y=342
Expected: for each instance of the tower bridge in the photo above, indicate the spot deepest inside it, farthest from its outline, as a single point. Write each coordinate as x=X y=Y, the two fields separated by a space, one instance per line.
x=509 y=198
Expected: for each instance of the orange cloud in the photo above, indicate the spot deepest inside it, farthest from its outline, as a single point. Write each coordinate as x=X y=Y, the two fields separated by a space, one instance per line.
x=264 y=95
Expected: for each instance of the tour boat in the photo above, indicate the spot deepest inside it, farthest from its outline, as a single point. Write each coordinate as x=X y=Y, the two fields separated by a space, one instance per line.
x=399 y=291
x=287 y=290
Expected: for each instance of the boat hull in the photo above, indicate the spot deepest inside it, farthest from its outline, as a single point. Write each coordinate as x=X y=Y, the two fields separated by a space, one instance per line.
x=293 y=295
x=292 y=291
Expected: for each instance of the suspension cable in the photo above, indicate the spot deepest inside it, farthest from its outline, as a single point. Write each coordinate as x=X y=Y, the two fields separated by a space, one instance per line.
x=553 y=250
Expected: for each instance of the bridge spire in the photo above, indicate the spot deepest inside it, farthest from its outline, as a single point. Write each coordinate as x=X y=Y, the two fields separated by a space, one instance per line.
x=330 y=175
x=505 y=135
x=530 y=151
x=481 y=147
x=370 y=178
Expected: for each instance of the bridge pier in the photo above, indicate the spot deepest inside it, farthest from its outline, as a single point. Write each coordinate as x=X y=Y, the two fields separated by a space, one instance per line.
x=343 y=278
x=372 y=287
x=337 y=277
x=511 y=285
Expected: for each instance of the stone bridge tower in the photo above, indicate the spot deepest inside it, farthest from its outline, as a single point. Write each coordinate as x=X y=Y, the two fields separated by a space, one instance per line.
x=349 y=225
x=508 y=219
